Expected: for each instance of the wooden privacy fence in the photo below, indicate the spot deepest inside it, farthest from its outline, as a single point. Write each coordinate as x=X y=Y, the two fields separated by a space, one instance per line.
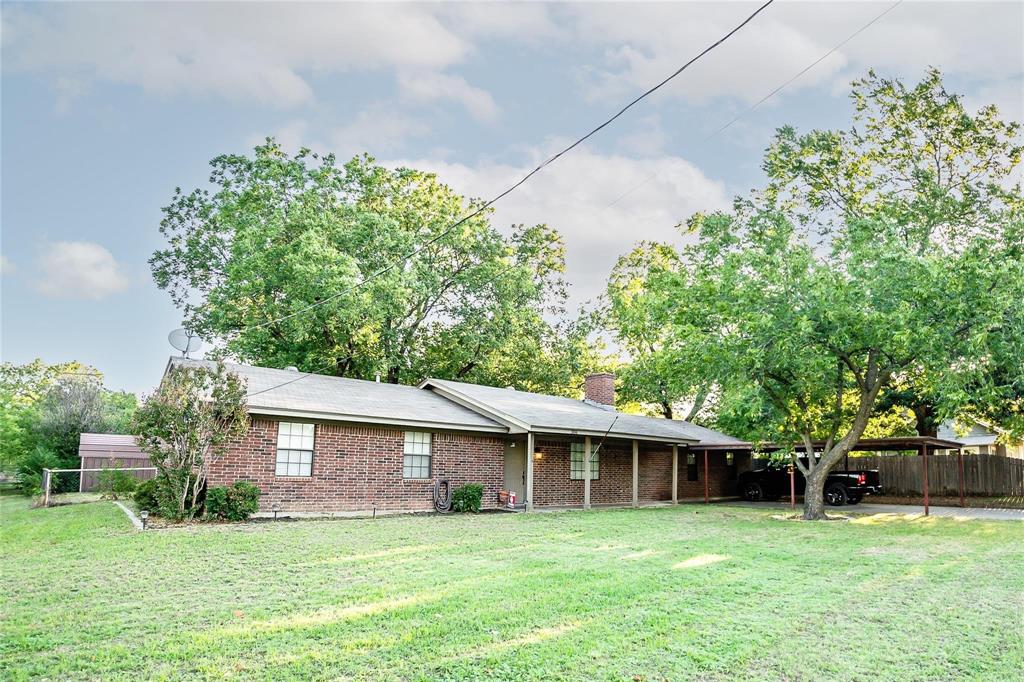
x=986 y=475
x=138 y=466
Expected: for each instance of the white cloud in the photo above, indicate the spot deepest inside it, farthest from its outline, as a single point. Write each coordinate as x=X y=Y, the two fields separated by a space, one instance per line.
x=648 y=140
x=79 y=270
x=602 y=204
x=261 y=52
x=378 y=130
x=269 y=52
x=644 y=43
x=432 y=87
x=1007 y=94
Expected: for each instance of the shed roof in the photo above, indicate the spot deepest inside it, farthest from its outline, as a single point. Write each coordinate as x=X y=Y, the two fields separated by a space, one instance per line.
x=280 y=392
x=109 y=445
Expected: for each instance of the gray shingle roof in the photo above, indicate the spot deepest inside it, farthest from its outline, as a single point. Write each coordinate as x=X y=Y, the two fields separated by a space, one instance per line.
x=441 y=403
x=539 y=412
x=301 y=394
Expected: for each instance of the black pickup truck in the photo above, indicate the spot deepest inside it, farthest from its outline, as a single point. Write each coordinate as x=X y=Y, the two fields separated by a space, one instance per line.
x=841 y=487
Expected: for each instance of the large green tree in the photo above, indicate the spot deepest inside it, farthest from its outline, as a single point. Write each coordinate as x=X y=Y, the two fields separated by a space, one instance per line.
x=643 y=332
x=271 y=263
x=886 y=256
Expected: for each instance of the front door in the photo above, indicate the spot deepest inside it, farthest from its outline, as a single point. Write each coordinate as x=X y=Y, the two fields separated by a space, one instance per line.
x=515 y=469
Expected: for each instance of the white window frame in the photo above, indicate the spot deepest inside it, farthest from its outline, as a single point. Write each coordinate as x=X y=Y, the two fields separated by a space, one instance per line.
x=418 y=449
x=295 y=445
x=576 y=462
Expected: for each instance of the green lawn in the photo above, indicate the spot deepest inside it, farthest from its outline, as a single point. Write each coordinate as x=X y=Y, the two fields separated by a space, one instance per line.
x=669 y=593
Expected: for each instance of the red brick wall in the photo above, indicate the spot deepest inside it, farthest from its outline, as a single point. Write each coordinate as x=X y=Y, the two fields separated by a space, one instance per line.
x=600 y=388
x=357 y=468
x=553 y=487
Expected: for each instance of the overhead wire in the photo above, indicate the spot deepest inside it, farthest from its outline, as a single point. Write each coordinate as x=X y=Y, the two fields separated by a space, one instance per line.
x=487 y=204
x=767 y=97
x=483 y=207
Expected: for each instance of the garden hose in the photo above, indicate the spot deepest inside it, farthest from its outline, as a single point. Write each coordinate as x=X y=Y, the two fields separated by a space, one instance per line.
x=443 y=495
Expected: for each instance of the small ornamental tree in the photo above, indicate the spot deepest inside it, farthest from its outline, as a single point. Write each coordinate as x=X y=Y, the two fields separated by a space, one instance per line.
x=185 y=426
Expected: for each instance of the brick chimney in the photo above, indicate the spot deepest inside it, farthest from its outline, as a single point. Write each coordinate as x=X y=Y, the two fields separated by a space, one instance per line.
x=600 y=388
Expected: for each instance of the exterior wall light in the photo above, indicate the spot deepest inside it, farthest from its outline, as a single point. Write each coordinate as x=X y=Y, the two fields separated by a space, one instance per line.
x=538 y=456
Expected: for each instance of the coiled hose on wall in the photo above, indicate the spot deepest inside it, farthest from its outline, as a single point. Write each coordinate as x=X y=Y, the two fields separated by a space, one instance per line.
x=443 y=495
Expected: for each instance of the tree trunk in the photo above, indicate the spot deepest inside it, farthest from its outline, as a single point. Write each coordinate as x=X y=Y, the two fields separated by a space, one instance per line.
x=814 y=494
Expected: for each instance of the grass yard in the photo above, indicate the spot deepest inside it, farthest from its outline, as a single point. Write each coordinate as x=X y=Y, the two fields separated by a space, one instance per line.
x=668 y=593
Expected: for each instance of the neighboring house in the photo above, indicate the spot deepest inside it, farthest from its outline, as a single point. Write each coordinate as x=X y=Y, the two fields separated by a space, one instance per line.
x=327 y=444
x=105 y=450
x=983 y=439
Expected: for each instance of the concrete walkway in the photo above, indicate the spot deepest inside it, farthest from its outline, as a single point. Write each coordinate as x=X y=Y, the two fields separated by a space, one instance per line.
x=908 y=510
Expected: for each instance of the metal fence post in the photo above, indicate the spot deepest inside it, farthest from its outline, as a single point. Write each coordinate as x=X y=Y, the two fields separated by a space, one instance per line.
x=46 y=487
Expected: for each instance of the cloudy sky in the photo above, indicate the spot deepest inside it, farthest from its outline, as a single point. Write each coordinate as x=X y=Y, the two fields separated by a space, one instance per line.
x=106 y=108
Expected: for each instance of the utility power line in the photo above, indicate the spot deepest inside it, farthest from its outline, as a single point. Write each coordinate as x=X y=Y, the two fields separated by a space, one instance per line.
x=502 y=194
x=767 y=97
x=805 y=69
x=483 y=207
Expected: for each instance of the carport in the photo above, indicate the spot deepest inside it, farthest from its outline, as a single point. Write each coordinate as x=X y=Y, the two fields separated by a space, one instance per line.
x=922 y=445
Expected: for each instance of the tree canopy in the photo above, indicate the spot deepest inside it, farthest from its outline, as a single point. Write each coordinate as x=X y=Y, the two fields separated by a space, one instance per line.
x=278 y=234
x=889 y=255
x=44 y=409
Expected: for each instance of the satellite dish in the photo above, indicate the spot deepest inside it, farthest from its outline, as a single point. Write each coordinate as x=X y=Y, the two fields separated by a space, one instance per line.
x=184 y=341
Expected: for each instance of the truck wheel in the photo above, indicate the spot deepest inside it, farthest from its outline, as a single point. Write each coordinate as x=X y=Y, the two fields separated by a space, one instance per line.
x=835 y=495
x=753 y=492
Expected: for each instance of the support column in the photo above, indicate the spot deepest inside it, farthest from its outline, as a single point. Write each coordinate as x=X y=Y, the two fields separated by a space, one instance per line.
x=636 y=473
x=586 y=472
x=707 y=471
x=675 y=474
x=960 y=473
x=529 y=471
x=924 y=475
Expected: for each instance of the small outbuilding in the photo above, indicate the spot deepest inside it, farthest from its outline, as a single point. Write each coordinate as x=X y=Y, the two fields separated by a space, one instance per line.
x=109 y=450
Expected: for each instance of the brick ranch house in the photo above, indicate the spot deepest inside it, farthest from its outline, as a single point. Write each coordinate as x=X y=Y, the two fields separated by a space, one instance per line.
x=325 y=444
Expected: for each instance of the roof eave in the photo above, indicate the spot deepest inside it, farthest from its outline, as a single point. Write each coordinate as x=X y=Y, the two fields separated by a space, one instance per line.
x=363 y=419
x=559 y=431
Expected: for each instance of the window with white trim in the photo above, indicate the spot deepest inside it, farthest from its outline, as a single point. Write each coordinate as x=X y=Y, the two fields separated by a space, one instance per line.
x=576 y=462
x=416 y=463
x=295 y=449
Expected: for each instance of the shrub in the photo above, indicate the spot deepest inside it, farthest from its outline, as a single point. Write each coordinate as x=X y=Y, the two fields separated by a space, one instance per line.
x=145 y=496
x=113 y=484
x=467 y=498
x=236 y=503
x=30 y=469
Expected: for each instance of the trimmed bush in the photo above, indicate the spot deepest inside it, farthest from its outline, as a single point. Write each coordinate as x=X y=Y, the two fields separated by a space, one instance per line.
x=145 y=496
x=113 y=484
x=467 y=498
x=236 y=503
